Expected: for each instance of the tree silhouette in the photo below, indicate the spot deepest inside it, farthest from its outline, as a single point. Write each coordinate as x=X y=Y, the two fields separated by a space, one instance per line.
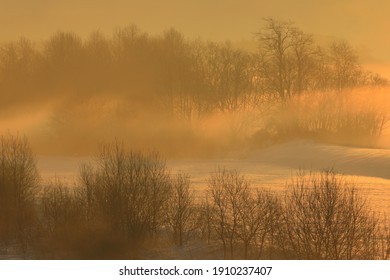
x=18 y=189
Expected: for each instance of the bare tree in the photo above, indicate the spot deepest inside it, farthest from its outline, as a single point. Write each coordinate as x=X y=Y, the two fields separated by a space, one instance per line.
x=228 y=75
x=270 y=222
x=74 y=227
x=204 y=221
x=18 y=188
x=63 y=54
x=325 y=218
x=227 y=189
x=56 y=200
x=343 y=62
x=180 y=209
x=250 y=219
x=286 y=57
x=128 y=190
x=62 y=221
x=19 y=62
x=241 y=217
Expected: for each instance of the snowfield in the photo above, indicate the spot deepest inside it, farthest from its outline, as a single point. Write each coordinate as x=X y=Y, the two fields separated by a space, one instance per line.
x=271 y=167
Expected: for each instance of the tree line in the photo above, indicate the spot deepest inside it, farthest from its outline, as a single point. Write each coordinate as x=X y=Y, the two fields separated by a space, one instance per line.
x=126 y=203
x=177 y=75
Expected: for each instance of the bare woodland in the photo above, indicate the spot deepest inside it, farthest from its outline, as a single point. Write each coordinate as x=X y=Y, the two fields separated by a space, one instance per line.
x=126 y=204
x=284 y=87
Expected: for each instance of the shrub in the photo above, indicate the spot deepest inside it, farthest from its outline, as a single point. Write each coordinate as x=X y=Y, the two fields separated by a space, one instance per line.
x=358 y=117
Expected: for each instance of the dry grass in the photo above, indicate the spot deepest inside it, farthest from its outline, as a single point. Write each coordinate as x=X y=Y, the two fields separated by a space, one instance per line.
x=356 y=117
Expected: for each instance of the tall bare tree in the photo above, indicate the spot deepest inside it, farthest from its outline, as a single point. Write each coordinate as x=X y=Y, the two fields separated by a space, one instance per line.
x=18 y=189
x=325 y=218
x=127 y=189
x=180 y=209
x=286 y=55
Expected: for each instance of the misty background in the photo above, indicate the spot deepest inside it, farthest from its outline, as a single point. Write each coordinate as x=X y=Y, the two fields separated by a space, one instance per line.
x=363 y=23
x=190 y=77
x=180 y=93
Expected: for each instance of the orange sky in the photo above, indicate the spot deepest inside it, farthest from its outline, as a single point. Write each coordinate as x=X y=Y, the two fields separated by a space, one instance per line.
x=365 y=23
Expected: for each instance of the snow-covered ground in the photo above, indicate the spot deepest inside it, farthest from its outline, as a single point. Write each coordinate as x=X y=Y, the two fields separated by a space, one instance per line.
x=273 y=167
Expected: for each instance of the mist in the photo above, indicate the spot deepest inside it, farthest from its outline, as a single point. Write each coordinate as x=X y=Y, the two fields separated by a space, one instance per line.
x=187 y=97
x=127 y=132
